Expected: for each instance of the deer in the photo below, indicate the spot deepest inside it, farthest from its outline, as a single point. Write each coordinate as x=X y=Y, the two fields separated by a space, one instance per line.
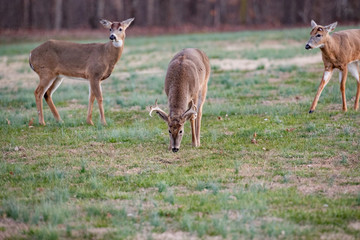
x=186 y=87
x=341 y=50
x=54 y=60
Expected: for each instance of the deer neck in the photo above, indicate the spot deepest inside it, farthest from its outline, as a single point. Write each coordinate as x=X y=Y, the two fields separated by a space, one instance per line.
x=114 y=52
x=330 y=50
x=177 y=106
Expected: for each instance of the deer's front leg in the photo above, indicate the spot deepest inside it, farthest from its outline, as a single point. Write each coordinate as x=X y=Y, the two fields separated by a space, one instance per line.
x=90 y=107
x=199 y=113
x=96 y=89
x=325 y=79
x=342 y=87
x=193 y=133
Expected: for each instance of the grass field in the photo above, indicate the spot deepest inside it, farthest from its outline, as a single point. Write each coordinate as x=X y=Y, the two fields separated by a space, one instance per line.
x=299 y=178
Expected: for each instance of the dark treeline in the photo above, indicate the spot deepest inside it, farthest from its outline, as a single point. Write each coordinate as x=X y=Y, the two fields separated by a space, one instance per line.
x=72 y=14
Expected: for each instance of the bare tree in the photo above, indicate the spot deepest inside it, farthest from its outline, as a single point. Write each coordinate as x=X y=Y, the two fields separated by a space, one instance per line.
x=58 y=14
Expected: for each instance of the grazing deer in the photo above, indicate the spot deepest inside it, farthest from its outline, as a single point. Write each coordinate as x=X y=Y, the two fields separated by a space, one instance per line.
x=340 y=50
x=54 y=60
x=185 y=86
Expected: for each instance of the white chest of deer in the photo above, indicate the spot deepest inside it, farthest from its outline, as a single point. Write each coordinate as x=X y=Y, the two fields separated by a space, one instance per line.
x=340 y=50
x=54 y=60
x=186 y=87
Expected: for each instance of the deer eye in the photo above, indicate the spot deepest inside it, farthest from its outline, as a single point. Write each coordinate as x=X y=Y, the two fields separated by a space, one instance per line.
x=120 y=29
x=180 y=131
x=169 y=131
x=318 y=35
x=110 y=29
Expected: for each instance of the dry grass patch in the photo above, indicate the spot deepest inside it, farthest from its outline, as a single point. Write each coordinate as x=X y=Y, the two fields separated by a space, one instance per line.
x=250 y=65
x=10 y=228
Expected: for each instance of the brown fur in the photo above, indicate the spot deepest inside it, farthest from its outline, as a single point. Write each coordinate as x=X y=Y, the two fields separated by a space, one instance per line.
x=95 y=62
x=338 y=51
x=186 y=84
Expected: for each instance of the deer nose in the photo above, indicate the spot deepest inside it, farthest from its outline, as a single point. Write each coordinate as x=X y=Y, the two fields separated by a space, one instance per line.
x=307 y=46
x=112 y=37
x=175 y=149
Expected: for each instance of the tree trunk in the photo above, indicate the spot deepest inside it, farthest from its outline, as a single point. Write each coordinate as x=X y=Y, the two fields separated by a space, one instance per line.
x=58 y=14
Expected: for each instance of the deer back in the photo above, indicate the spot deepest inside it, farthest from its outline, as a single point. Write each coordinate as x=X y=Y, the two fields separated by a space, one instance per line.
x=186 y=76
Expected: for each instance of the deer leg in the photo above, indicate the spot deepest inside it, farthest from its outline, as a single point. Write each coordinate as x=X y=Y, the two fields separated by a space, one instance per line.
x=342 y=88
x=198 y=125
x=58 y=80
x=356 y=106
x=354 y=70
x=45 y=82
x=193 y=132
x=96 y=89
x=199 y=114
x=325 y=79
x=90 y=107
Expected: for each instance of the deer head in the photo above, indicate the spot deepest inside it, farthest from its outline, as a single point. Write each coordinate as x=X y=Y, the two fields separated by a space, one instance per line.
x=319 y=34
x=175 y=123
x=117 y=30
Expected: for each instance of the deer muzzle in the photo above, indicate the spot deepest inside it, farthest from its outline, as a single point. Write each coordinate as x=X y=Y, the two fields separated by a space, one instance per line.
x=112 y=37
x=307 y=47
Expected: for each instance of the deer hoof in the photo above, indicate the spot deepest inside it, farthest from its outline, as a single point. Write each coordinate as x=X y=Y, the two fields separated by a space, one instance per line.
x=90 y=122
x=311 y=111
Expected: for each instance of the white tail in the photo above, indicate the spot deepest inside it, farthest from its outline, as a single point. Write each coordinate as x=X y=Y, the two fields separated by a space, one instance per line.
x=340 y=50
x=54 y=60
x=185 y=86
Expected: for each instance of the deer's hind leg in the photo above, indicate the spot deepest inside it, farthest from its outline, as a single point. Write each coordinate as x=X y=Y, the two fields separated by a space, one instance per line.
x=46 y=80
x=356 y=105
x=354 y=70
x=48 y=97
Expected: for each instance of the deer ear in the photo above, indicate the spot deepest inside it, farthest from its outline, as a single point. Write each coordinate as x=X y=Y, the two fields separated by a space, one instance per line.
x=191 y=112
x=163 y=116
x=313 y=24
x=127 y=22
x=105 y=23
x=331 y=27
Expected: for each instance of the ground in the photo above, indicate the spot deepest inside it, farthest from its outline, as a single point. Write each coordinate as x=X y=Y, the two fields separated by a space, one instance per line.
x=266 y=169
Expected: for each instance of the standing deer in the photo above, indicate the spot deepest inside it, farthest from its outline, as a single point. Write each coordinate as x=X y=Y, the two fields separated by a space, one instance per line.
x=185 y=86
x=340 y=50
x=54 y=60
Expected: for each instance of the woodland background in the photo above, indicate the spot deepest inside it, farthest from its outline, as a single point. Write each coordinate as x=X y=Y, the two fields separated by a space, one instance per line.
x=76 y=14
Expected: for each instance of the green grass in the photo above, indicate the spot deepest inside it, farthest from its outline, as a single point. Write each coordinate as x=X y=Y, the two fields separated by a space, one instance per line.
x=73 y=181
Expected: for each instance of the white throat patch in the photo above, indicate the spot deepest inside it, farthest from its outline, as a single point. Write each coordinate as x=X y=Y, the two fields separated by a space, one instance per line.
x=117 y=44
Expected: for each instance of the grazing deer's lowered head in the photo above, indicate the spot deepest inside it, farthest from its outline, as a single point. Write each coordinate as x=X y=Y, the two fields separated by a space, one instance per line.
x=186 y=86
x=340 y=50
x=175 y=123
